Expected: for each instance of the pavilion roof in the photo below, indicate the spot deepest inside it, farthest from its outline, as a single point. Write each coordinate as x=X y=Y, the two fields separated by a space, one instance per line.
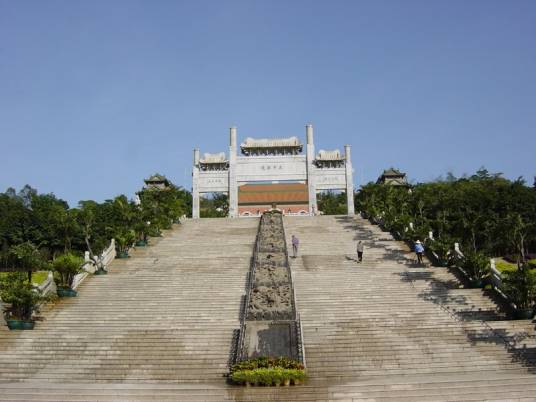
x=156 y=178
x=392 y=172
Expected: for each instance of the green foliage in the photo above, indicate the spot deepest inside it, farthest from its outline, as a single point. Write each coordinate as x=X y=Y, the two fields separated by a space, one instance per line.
x=532 y=263
x=23 y=257
x=267 y=362
x=20 y=295
x=520 y=286
x=164 y=207
x=268 y=376
x=476 y=265
x=66 y=266
x=330 y=203
x=124 y=238
x=484 y=212
x=442 y=249
x=215 y=206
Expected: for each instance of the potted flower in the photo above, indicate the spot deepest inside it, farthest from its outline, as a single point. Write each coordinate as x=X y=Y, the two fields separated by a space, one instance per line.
x=520 y=287
x=22 y=299
x=66 y=267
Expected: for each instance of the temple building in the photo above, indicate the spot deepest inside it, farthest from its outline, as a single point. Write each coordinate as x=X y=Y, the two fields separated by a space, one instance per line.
x=157 y=182
x=272 y=173
x=393 y=177
x=290 y=198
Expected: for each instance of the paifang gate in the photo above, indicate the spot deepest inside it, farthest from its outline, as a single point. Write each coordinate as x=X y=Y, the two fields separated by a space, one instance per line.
x=272 y=172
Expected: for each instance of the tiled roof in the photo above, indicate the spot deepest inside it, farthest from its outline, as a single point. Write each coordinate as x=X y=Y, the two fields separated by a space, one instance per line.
x=156 y=178
x=214 y=158
x=392 y=172
x=269 y=143
x=334 y=155
x=273 y=193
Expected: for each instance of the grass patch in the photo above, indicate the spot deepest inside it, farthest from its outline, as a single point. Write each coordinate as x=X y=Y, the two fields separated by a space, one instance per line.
x=504 y=266
x=39 y=277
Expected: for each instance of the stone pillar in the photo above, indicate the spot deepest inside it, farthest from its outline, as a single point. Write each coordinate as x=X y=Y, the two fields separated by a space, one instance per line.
x=195 y=185
x=233 y=185
x=311 y=184
x=349 y=181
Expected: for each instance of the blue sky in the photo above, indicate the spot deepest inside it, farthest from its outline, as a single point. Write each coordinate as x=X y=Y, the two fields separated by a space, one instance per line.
x=97 y=95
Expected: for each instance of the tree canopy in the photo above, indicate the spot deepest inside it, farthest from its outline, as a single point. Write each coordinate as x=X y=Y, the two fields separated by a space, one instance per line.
x=483 y=212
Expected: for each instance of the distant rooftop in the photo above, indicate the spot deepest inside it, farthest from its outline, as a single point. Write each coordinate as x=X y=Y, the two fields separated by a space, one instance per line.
x=393 y=177
x=157 y=181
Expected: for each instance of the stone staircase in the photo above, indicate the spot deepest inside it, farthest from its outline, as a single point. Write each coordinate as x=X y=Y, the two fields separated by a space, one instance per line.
x=387 y=317
x=160 y=325
x=167 y=314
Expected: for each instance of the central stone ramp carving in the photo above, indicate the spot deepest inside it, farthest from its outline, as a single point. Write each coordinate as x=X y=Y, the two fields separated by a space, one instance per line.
x=270 y=326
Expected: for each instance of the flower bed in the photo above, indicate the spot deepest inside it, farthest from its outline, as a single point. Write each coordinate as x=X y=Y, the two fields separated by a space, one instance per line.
x=268 y=371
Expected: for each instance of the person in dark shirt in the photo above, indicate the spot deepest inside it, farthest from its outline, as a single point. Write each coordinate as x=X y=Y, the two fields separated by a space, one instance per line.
x=359 y=251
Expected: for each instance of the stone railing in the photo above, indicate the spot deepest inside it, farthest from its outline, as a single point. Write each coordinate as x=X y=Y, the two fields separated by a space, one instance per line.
x=104 y=259
x=48 y=286
x=457 y=255
x=270 y=324
x=496 y=276
x=91 y=265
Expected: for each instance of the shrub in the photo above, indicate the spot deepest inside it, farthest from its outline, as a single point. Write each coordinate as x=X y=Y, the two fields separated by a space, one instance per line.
x=268 y=376
x=441 y=249
x=66 y=267
x=21 y=296
x=476 y=265
x=124 y=238
x=520 y=287
x=267 y=362
x=267 y=370
x=532 y=263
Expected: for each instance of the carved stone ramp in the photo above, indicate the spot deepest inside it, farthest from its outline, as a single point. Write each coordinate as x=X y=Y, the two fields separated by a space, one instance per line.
x=270 y=325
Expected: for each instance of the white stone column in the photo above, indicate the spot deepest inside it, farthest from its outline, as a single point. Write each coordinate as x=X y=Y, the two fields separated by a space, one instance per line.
x=233 y=185
x=311 y=184
x=195 y=185
x=349 y=181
